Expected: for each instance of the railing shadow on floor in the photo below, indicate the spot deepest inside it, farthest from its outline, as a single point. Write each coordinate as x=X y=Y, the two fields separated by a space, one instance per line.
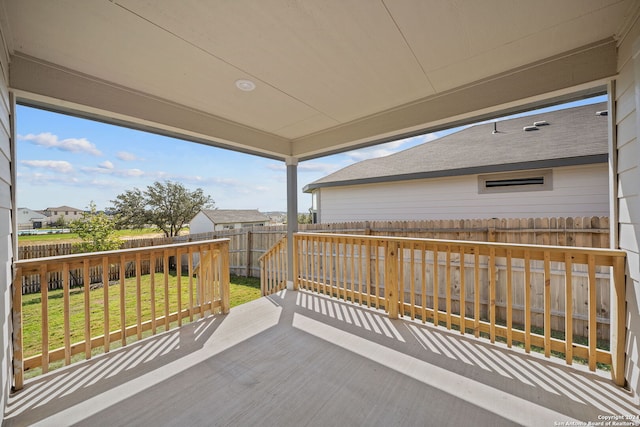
x=106 y=371
x=521 y=374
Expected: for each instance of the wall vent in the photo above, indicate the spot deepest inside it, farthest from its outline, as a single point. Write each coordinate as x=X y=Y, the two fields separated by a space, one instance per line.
x=602 y=113
x=529 y=128
x=541 y=123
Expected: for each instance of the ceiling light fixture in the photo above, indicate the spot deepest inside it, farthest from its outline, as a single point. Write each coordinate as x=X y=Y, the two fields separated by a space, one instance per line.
x=245 y=85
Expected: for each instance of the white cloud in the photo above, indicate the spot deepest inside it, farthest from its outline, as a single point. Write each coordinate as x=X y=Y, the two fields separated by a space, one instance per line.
x=74 y=145
x=129 y=172
x=127 y=156
x=106 y=165
x=56 y=165
x=280 y=166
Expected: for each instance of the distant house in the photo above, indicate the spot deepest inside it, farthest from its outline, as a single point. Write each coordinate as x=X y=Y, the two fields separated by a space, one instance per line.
x=515 y=169
x=29 y=219
x=68 y=213
x=225 y=219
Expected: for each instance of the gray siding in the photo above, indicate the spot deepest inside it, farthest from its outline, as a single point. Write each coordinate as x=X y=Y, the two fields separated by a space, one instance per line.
x=6 y=237
x=577 y=191
x=627 y=99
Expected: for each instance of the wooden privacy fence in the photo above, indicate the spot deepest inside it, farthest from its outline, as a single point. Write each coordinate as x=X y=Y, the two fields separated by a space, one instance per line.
x=113 y=313
x=247 y=245
x=500 y=290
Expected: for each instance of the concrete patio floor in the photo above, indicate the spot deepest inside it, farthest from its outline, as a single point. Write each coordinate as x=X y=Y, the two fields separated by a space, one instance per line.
x=302 y=359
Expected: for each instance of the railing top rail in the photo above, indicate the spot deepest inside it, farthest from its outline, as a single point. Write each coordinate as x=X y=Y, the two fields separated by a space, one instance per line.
x=118 y=252
x=467 y=243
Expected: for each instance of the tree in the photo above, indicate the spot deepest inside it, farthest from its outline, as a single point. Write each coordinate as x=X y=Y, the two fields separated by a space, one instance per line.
x=60 y=222
x=96 y=230
x=168 y=205
x=304 y=218
x=130 y=210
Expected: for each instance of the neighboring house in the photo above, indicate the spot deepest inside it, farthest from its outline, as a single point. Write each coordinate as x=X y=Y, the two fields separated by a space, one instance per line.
x=29 y=219
x=558 y=168
x=225 y=219
x=69 y=214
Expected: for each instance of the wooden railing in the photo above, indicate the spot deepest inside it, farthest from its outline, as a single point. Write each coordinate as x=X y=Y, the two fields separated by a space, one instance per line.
x=489 y=289
x=273 y=268
x=194 y=281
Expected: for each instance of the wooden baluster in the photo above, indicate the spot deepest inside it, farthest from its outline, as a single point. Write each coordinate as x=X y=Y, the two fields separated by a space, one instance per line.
x=123 y=319
x=462 y=293
x=179 y=284
x=476 y=291
x=312 y=265
x=138 y=295
x=492 y=294
x=412 y=279
x=447 y=274
x=593 y=326
x=165 y=270
x=190 y=269
x=401 y=248
x=423 y=273
x=105 y=287
x=66 y=313
x=152 y=287
x=298 y=258
x=378 y=245
x=326 y=250
x=352 y=277
x=344 y=268
x=86 y=278
x=331 y=267
x=367 y=254
x=436 y=293
x=44 y=292
x=360 y=271
x=527 y=301
x=547 y=304
x=509 y=300
x=568 y=319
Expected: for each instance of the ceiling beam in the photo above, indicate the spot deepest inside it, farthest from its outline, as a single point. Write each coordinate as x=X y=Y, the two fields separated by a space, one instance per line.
x=44 y=85
x=506 y=93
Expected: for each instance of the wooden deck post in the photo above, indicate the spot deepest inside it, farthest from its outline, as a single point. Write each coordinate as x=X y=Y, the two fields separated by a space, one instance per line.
x=391 y=279
x=618 y=315
x=224 y=277
x=18 y=367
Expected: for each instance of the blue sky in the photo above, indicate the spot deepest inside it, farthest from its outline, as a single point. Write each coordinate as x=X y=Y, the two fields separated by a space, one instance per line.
x=64 y=160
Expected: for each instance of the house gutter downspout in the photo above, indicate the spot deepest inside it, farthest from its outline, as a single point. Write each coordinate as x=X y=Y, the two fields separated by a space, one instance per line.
x=292 y=215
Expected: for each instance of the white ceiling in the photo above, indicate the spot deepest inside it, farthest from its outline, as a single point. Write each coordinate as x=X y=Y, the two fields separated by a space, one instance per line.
x=330 y=74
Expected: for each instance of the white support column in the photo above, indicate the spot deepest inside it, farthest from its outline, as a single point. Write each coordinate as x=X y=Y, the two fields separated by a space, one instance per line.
x=292 y=214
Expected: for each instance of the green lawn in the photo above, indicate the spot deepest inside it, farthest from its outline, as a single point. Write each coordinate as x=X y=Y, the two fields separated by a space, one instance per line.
x=241 y=290
x=66 y=237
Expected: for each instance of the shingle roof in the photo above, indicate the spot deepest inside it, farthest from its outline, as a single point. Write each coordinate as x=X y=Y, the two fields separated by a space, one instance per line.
x=64 y=208
x=226 y=216
x=573 y=136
